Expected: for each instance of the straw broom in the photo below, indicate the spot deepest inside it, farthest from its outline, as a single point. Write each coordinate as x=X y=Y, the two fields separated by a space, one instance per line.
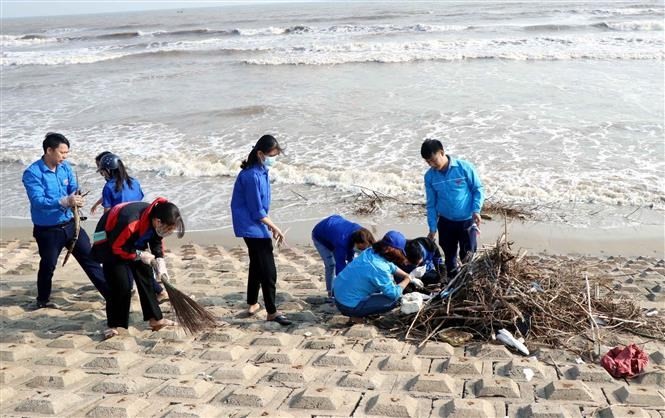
x=193 y=317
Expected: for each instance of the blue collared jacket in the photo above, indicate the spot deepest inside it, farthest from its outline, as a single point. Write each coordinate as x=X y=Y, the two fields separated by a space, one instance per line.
x=45 y=188
x=455 y=193
x=250 y=202
x=334 y=232
x=111 y=197
x=367 y=274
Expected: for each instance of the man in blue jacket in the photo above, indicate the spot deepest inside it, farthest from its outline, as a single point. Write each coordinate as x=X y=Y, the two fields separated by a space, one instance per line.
x=51 y=188
x=455 y=197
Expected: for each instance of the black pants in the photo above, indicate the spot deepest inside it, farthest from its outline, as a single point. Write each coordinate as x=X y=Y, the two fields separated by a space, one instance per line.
x=262 y=272
x=119 y=276
x=454 y=235
x=50 y=241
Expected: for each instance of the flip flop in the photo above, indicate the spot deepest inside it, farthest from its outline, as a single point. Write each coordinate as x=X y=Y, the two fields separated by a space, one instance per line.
x=166 y=323
x=281 y=320
x=110 y=333
x=255 y=312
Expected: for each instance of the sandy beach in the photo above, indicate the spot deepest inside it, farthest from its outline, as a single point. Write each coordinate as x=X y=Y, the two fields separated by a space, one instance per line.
x=54 y=362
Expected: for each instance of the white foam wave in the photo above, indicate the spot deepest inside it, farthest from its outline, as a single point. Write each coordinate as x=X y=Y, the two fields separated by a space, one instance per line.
x=640 y=25
x=8 y=41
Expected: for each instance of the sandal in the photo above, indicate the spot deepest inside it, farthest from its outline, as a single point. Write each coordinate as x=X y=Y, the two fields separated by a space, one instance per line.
x=281 y=320
x=164 y=323
x=110 y=333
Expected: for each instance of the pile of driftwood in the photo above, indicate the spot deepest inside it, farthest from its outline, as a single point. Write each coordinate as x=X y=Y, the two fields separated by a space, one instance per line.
x=550 y=305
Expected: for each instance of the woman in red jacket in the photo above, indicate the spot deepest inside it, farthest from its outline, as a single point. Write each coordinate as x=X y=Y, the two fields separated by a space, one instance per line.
x=122 y=238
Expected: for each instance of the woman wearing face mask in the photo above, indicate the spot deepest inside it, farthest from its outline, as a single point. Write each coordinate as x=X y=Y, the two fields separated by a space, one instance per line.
x=367 y=286
x=250 y=204
x=121 y=242
x=336 y=239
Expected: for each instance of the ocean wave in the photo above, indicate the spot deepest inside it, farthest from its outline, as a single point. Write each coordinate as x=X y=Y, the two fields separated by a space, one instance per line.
x=8 y=41
x=633 y=26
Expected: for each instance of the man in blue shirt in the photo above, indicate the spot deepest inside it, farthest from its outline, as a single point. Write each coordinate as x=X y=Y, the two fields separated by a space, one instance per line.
x=51 y=188
x=455 y=197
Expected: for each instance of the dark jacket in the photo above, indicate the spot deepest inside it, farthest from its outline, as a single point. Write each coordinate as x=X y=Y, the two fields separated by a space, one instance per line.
x=125 y=229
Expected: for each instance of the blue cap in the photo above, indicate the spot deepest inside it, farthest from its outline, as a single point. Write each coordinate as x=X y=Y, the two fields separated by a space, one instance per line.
x=395 y=239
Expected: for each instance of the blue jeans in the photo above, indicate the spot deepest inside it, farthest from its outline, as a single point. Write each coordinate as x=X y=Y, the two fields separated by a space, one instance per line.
x=328 y=257
x=454 y=235
x=50 y=241
x=373 y=304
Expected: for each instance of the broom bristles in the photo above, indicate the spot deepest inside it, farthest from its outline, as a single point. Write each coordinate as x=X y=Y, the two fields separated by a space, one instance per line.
x=193 y=317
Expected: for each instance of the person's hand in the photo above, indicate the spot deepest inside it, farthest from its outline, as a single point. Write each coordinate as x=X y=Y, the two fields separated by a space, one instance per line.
x=278 y=235
x=431 y=235
x=146 y=257
x=160 y=267
x=476 y=218
x=417 y=282
x=93 y=209
x=72 y=200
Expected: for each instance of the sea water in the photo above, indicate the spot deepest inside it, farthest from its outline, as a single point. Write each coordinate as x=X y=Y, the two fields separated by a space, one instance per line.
x=558 y=104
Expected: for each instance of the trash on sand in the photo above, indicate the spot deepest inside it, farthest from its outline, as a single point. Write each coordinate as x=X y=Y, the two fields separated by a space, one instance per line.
x=507 y=339
x=528 y=374
x=626 y=361
x=411 y=302
x=455 y=337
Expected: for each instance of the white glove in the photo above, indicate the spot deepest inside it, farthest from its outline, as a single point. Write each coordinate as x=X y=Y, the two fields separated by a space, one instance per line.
x=71 y=201
x=160 y=267
x=418 y=272
x=417 y=282
x=146 y=257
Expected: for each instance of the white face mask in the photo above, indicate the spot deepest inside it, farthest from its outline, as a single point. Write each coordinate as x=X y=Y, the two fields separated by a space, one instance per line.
x=269 y=161
x=357 y=251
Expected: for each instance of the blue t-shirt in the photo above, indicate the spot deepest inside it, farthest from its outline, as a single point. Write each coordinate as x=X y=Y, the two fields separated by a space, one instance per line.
x=250 y=202
x=45 y=188
x=111 y=197
x=367 y=274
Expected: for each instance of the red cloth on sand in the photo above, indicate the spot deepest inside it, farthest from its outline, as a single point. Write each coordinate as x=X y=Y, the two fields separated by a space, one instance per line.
x=626 y=361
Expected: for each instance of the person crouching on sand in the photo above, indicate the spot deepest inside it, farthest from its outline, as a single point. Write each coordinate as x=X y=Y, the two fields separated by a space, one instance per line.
x=371 y=284
x=337 y=239
x=250 y=204
x=122 y=238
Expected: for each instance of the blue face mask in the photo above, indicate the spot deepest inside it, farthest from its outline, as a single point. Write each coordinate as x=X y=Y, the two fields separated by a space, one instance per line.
x=269 y=161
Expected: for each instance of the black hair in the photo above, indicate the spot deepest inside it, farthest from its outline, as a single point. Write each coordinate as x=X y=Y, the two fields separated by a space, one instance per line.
x=53 y=140
x=120 y=175
x=101 y=155
x=392 y=254
x=169 y=214
x=430 y=147
x=265 y=144
x=362 y=236
x=413 y=251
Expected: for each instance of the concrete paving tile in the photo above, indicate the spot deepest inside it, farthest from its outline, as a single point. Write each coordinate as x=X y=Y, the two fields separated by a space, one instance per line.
x=489 y=351
x=493 y=387
x=617 y=411
x=125 y=385
x=384 y=346
x=342 y=359
x=174 y=366
x=435 y=349
x=361 y=331
x=275 y=340
x=543 y=410
x=11 y=312
x=118 y=343
x=18 y=337
x=119 y=406
x=194 y=411
x=57 y=379
x=62 y=358
x=588 y=373
x=294 y=376
x=400 y=363
x=167 y=348
x=9 y=373
x=323 y=343
x=655 y=376
x=515 y=369
x=638 y=396
x=365 y=380
x=52 y=403
x=112 y=361
x=227 y=335
x=235 y=373
x=658 y=357
x=567 y=390
x=228 y=353
x=392 y=405
x=458 y=366
x=465 y=408
x=321 y=400
x=70 y=341
x=187 y=388
x=16 y=352
x=285 y=356
x=252 y=396
x=431 y=384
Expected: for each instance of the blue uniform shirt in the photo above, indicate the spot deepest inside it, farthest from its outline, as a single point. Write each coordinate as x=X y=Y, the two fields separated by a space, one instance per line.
x=367 y=274
x=45 y=188
x=334 y=232
x=455 y=193
x=111 y=197
x=250 y=202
